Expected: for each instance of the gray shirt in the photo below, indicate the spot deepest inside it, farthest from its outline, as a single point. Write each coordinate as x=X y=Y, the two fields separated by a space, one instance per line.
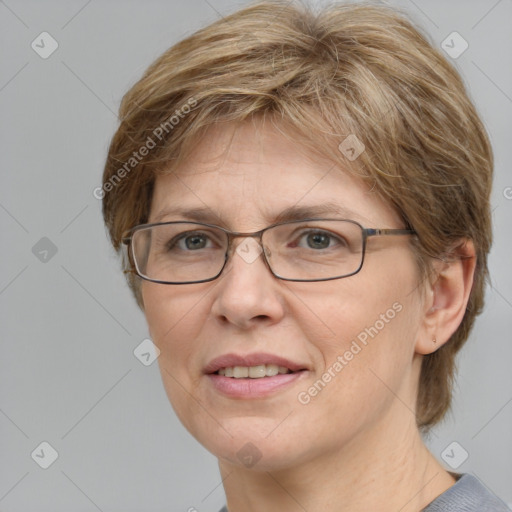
x=466 y=495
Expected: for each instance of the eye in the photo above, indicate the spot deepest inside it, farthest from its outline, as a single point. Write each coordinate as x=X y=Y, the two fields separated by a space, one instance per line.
x=316 y=239
x=189 y=241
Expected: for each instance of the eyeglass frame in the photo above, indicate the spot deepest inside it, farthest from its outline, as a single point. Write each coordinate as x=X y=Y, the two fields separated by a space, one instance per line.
x=126 y=239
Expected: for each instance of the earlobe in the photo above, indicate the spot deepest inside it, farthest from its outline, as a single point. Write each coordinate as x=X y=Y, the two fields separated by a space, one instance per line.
x=447 y=298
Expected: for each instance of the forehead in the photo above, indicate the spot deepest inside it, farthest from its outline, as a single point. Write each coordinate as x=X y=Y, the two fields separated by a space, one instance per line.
x=253 y=173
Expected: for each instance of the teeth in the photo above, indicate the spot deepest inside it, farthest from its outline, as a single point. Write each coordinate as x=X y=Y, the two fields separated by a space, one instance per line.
x=253 y=372
x=239 y=372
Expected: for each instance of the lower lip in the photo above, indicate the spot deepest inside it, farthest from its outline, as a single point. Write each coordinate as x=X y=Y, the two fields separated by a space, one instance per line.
x=253 y=388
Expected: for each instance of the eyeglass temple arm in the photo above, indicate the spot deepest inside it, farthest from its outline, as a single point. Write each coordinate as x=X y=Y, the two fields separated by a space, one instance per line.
x=388 y=231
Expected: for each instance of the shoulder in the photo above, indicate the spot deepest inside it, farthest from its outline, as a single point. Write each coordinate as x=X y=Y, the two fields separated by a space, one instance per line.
x=468 y=494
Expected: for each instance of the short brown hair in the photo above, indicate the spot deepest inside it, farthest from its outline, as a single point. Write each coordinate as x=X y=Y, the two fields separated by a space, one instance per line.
x=358 y=70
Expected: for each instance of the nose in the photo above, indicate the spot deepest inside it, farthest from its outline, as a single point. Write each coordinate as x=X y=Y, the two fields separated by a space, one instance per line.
x=247 y=293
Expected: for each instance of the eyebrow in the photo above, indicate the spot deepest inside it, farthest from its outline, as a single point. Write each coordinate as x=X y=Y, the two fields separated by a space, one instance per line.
x=207 y=215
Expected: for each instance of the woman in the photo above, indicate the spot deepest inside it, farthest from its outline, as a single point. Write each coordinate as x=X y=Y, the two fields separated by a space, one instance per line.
x=304 y=200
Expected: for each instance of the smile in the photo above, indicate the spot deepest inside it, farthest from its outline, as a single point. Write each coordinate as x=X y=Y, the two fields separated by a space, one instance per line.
x=253 y=372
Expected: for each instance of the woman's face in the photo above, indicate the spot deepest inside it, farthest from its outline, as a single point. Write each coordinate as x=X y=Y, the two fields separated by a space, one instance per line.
x=355 y=335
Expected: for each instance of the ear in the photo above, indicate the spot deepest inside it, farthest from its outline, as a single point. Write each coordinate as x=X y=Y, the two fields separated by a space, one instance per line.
x=446 y=297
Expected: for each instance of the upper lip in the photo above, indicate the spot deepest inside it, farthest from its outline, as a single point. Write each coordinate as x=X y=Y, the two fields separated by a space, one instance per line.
x=230 y=360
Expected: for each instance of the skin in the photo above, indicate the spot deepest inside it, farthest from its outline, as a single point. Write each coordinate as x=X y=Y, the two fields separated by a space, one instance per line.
x=355 y=446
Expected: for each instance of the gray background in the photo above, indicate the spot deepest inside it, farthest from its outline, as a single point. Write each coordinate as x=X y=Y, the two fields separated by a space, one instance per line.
x=69 y=325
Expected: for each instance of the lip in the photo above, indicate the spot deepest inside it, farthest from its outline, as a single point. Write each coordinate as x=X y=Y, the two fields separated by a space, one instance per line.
x=229 y=360
x=247 y=388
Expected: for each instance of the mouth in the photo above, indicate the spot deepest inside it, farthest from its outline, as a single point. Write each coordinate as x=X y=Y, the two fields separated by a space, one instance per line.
x=252 y=366
x=253 y=375
x=253 y=372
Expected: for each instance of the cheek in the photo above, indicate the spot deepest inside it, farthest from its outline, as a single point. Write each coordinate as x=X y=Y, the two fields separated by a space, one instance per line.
x=168 y=311
x=358 y=309
x=174 y=322
x=372 y=326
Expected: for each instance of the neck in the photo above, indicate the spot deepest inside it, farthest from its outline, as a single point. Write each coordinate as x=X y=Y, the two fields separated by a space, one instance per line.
x=385 y=469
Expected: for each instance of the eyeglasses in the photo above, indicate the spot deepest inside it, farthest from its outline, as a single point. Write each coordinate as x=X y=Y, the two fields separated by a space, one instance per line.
x=302 y=250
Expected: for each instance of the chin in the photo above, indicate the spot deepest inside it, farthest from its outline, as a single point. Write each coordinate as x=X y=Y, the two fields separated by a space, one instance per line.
x=257 y=458
x=253 y=445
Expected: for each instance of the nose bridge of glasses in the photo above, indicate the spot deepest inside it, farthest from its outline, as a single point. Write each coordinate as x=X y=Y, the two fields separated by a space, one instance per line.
x=249 y=245
x=233 y=235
